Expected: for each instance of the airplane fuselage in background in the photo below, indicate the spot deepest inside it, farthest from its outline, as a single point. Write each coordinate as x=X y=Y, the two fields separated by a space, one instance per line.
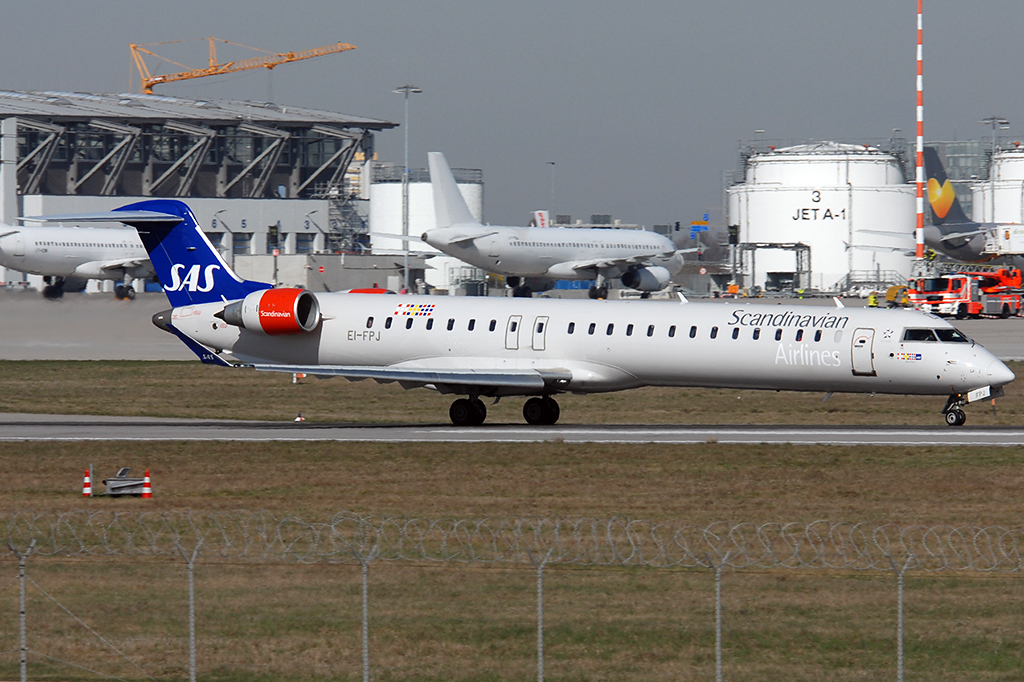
x=555 y=252
x=79 y=253
x=593 y=346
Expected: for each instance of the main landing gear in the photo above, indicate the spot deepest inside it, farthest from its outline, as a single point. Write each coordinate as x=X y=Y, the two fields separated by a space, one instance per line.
x=952 y=413
x=473 y=412
x=124 y=291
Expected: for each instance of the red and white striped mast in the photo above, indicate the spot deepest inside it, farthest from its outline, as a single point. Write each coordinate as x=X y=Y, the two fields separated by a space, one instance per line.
x=919 y=232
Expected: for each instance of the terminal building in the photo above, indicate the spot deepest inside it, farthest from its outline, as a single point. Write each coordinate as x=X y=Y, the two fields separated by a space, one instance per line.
x=261 y=178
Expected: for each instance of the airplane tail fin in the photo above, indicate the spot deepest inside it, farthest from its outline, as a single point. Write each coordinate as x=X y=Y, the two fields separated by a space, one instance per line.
x=946 y=209
x=449 y=206
x=190 y=269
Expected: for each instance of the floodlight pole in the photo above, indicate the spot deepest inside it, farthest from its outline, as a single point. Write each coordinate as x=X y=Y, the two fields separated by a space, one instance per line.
x=406 y=89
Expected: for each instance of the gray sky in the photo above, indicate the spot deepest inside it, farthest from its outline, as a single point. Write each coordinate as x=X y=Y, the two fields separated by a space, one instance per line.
x=640 y=104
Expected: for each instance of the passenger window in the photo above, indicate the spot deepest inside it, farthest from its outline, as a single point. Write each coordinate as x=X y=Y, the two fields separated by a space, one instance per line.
x=714 y=332
x=369 y=322
x=693 y=332
x=572 y=327
x=629 y=330
x=650 y=330
x=494 y=323
x=387 y=323
x=735 y=332
x=672 y=331
x=778 y=335
x=430 y=323
x=408 y=323
x=451 y=323
x=817 y=335
x=472 y=324
x=611 y=328
x=799 y=334
x=757 y=333
x=592 y=328
x=919 y=335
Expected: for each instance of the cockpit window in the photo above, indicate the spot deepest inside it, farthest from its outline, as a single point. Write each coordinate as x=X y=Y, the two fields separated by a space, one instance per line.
x=919 y=335
x=951 y=336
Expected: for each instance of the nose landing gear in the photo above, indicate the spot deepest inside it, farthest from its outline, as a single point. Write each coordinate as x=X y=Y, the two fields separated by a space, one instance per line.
x=952 y=413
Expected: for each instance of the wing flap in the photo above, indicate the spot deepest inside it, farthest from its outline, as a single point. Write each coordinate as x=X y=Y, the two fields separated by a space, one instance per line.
x=526 y=380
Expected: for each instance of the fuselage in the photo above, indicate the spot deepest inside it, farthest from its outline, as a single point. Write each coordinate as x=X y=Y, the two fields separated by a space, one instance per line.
x=74 y=252
x=556 y=252
x=614 y=345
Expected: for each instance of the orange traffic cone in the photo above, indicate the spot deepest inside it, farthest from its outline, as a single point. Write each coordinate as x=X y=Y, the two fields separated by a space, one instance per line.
x=146 y=490
x=87 y=485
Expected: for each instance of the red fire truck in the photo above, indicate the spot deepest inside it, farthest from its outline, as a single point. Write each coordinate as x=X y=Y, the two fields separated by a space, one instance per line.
x=995 y=293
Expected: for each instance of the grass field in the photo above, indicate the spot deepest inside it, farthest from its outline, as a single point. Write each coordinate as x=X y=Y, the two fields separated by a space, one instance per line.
x=269 y=621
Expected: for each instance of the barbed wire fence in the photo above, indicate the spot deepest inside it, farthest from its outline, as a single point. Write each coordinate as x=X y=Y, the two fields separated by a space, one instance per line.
x=537 y=542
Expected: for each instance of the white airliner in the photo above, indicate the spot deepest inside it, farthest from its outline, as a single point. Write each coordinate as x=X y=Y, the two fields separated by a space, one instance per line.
x=645 y=261
x=67 y=257
x=538 y=348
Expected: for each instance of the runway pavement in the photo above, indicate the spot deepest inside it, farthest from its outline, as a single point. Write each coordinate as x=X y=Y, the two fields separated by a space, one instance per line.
x=33 y=427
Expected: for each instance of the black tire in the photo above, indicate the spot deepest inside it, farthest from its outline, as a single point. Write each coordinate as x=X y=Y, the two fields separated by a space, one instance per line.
x=961 y=418
x=961 y=311
x=522 y=292
x=955 y=418
x=602 y=292
x=592 y=293
x=479 y=411
x=462 y=413
x=534 y=412
x=551 y=410
x=1005 y=312
x=52 y=292
x=129 y=293
x=119 y=292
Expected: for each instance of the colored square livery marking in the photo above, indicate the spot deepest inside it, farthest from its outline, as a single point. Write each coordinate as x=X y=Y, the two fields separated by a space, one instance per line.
x=415 y=309
x=908 y=356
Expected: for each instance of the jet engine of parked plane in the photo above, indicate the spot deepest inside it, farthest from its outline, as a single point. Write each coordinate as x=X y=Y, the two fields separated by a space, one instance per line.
x=647 y=279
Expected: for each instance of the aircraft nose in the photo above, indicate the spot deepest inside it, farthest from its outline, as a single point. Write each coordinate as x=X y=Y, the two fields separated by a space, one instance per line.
x=1000 y=374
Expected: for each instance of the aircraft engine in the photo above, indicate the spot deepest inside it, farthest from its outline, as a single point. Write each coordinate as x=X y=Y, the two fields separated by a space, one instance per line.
x=651 y=278
x=274 y=312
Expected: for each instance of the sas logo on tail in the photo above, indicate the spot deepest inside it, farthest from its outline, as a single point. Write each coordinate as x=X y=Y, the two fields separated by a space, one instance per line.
x=941 y=197
x=191 y=280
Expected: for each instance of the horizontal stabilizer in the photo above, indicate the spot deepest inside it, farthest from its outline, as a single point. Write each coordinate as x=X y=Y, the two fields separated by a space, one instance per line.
x=106 y=217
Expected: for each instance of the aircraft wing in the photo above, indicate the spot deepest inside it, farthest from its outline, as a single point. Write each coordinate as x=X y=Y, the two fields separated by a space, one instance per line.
x=961 y=235
x=526 y=380
x=128 y=264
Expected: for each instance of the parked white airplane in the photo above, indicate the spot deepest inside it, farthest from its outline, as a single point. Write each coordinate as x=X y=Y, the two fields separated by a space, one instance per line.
x=498 y=347
x=67 y=257
x=645 y=261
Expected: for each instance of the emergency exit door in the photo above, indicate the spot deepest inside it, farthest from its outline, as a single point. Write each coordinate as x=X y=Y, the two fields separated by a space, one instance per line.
x=864 y=353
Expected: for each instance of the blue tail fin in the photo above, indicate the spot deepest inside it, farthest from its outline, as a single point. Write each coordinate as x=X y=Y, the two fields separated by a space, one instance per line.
x=946 y=209
x=189 y=268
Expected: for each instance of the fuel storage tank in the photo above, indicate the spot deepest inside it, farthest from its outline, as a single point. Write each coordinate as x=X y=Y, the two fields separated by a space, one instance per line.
x=1000 y=199
x=822 y=216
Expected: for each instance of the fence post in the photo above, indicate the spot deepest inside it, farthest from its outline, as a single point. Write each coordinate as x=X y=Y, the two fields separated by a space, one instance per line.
x=364 y=564
x=899 y=612
x=718 y=611
x=21 y=606
x=539 y=565
x=191 y=561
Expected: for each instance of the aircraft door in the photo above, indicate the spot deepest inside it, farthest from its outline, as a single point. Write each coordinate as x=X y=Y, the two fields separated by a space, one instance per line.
x=19 y=244
x=540 y=330
x=863 y=352
x=512 y=332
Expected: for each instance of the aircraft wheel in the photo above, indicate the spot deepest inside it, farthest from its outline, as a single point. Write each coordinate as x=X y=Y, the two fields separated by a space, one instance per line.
x=479 y=411
x=119 y=292
x=956 y=417
x=593 y=292
x=551 y=410
x=533 y=411
x=602 y=292
x=129 y=293
x=522 y=292
x=53 y=292
x=462 y=413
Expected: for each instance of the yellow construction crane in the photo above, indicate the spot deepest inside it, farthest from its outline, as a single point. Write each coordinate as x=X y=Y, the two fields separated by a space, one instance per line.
x=269 y=61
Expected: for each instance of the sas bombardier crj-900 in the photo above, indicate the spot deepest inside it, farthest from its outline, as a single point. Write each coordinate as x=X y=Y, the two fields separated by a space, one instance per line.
x=538 y=348
x=644 y=261
x=67 y=257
